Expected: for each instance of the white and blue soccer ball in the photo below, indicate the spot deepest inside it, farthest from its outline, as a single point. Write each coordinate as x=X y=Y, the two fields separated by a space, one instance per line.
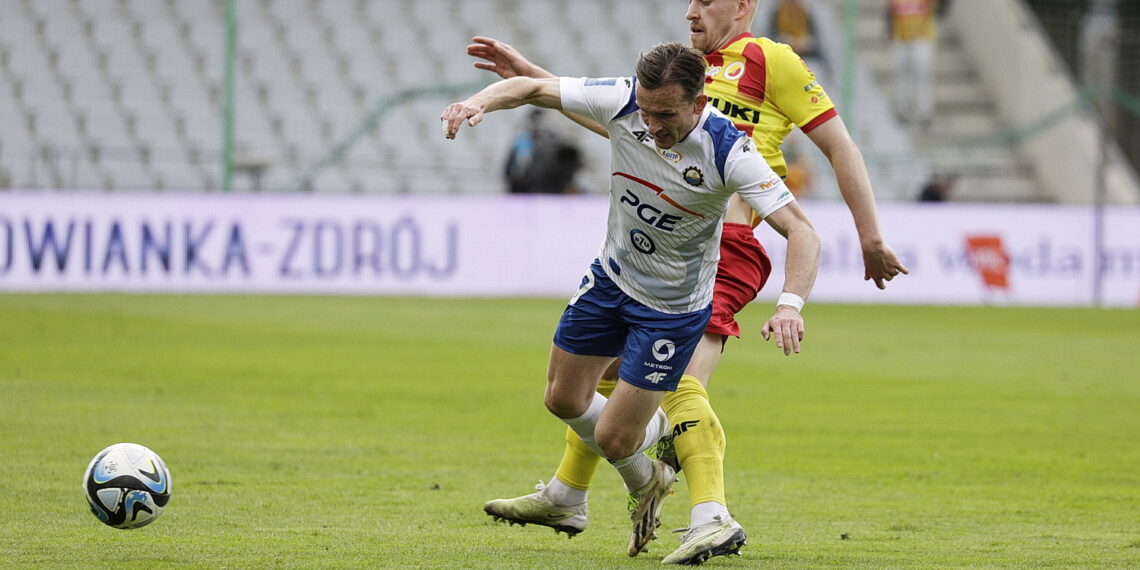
x=127 y=485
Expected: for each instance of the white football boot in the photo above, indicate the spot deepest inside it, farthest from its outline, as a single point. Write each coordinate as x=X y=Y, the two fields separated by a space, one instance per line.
x=645 y=506
x=537 y=508
x=700 y=543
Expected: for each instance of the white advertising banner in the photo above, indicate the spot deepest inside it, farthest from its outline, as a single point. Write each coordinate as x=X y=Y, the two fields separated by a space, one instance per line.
x=965 y=254
x=298 y=244
x=526 y=246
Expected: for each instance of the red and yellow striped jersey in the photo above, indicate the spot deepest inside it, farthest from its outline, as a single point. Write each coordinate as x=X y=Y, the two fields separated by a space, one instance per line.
x=766 y=89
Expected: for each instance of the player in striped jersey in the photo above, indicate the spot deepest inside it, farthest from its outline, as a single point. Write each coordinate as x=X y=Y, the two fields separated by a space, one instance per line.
x=766 y=89
x=647 y=298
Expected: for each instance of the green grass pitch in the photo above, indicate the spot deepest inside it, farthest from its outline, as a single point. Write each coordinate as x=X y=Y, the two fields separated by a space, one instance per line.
x=306 y=432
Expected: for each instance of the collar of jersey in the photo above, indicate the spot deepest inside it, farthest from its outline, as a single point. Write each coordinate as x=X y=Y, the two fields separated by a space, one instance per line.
x=734 y=40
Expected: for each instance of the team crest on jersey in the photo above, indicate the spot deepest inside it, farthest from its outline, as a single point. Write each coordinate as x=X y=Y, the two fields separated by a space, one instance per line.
x=669 y=154
x=693 y=176
x=734 y=70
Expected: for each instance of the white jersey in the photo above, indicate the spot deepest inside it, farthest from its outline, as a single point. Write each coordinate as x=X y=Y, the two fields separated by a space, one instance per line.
x=667 y=205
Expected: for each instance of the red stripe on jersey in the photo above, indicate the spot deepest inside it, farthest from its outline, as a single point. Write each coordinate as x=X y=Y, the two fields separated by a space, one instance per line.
x=821 y=119
x=713 y=60
x=660 y=192
x=755 y=77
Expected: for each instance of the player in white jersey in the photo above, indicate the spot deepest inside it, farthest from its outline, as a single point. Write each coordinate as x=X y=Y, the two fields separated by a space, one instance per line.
x=646 y=299
x=666 y=203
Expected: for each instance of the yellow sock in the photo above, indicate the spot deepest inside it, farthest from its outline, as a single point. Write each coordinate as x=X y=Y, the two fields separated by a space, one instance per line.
x=699 y=440
x=579 y=462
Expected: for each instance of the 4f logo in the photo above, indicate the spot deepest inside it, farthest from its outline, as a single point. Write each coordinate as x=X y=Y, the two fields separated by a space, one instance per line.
x=642 y=136
x=684 y=426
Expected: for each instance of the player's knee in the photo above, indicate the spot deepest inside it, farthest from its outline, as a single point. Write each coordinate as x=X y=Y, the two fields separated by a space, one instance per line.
x=565 y=407
x=617 y=444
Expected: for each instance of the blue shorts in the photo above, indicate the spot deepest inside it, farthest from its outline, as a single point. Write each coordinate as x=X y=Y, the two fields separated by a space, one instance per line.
x=654 y=347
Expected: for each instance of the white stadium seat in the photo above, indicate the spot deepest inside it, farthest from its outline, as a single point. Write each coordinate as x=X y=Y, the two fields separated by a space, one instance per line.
x=308 y=72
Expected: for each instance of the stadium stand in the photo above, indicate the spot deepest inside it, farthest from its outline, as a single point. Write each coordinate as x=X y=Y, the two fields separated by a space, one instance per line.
x=129 y=95
x=963 y=111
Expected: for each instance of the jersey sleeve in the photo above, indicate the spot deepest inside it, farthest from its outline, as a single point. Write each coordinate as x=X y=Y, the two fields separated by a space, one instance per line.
x=748 y=174
x=599 y=99
x=796 y=91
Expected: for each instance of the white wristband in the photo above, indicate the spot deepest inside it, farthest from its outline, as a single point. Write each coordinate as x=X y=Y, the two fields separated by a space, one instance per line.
x=791 y=300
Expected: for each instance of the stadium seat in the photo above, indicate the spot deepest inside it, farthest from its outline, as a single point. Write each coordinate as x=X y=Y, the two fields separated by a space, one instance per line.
x=309 y=71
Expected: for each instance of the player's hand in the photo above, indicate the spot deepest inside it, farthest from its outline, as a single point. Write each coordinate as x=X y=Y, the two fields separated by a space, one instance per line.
x=880 y=264
x=787 y=326
x=454 y=115
x=502 y=59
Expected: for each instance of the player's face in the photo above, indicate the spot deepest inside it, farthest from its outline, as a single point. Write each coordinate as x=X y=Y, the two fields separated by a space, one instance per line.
x=713 y=22
x=668 y=114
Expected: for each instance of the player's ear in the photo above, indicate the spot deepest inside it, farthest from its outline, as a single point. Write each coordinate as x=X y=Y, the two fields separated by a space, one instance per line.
x=699 y=104
x=746 y=9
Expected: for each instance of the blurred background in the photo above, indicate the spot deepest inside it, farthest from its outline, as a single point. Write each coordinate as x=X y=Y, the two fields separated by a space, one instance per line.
x=1034 y=100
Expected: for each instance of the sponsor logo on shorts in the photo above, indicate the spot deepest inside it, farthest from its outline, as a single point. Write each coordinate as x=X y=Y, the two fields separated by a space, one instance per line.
x=663 y=349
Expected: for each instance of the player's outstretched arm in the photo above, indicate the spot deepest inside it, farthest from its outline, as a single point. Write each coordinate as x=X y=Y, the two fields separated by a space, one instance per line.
x=505 y=94
x=503 y=59
x=800 y=270
x=880 y=264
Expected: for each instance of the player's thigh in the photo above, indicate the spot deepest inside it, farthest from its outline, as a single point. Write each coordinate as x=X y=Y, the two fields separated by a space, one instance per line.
x=572 y=380
x=611 y=372
x=706 y=357
x=743 y=269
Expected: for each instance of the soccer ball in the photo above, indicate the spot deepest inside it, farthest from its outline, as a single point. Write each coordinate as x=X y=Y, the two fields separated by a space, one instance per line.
x=127 y=485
